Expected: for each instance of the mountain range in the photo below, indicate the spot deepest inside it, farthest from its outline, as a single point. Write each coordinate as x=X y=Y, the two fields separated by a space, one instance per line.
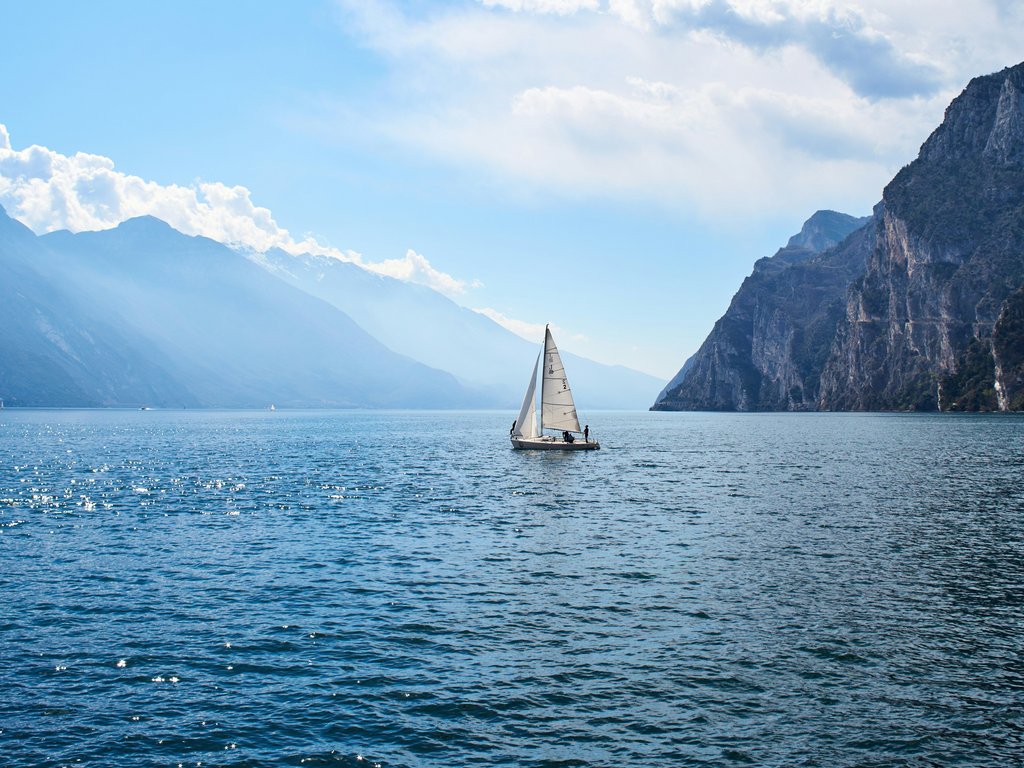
x=918 y=307
x=145 y=315
x=420 y=323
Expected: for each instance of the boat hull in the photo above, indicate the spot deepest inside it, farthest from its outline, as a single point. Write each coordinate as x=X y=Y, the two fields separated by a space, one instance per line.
x=550 y=444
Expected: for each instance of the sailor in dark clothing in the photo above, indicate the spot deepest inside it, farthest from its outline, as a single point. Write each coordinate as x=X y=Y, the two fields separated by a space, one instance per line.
x=513 y=430
x=586 y=433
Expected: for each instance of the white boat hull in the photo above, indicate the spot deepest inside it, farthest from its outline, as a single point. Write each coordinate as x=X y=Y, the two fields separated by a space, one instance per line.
x=552 y=444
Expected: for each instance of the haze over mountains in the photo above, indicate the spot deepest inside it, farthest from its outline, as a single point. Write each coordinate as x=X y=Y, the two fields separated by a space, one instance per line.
x=422 y=324
x=922 y=308
x=144 y=315
x=919 y=306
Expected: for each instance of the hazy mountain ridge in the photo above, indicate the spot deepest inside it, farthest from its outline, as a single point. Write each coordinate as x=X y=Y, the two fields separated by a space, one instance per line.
x=426 y=326
x=919 y=309
x=58 y=348
x=144 y=315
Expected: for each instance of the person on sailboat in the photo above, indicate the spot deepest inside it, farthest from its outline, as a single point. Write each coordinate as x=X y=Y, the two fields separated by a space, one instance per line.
x=513 y=430
x=586 y=433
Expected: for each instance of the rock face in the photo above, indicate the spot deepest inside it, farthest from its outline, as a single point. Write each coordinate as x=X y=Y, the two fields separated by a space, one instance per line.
x=920 y=309
x=918 y=331
x=767 y=351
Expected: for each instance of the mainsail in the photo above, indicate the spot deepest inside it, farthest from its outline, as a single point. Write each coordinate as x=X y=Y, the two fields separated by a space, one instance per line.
x=558 y=411
x=526 y=424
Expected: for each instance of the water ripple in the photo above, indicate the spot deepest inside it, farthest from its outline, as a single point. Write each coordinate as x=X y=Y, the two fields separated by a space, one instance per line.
x=401 y=589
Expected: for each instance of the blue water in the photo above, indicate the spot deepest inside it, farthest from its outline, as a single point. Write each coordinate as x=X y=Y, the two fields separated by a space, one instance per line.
x=401 y=589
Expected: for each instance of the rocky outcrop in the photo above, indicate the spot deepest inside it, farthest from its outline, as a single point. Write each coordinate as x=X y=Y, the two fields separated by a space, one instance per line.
x=1008 y=354
x=921 y=309
x=767 y=351
x=917 y=332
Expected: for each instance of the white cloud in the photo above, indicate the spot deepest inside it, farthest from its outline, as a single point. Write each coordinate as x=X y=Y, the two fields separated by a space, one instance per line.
x=521 y=328
x=527 y=330
x=728 y=106
x=560 y=7
x=47 y=191
x=690 y=146
x=415 y=268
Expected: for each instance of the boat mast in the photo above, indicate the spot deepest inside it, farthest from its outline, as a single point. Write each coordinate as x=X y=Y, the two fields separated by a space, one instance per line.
x=547 y=335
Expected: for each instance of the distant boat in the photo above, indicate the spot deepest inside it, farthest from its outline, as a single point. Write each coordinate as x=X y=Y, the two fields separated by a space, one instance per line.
x=145 y=408
x=557 y=411
x=273 y=407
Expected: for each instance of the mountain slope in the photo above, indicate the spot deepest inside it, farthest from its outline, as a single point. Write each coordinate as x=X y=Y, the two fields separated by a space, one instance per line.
x=57 y=347
x=919 y=326
x=920 y=309
x=424 y=325
x=766 y=352
x=143 y=313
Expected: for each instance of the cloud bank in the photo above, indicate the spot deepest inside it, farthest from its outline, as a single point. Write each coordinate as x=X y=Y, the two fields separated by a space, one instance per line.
x=842 y=37
x=729 y=107
x=48 y=191
x=414 y=268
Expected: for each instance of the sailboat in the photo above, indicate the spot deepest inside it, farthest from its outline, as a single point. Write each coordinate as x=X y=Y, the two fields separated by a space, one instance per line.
x=557 y=411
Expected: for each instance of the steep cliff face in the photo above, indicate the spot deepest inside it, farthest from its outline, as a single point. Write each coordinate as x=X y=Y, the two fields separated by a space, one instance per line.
x=1008 y=354
x=921 y=309
x=917 y=331
x=767 y=351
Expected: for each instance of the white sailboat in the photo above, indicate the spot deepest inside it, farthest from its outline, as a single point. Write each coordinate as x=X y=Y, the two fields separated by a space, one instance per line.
x=557 y=411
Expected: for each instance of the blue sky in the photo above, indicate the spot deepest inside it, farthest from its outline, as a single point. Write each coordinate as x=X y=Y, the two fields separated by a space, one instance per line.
x=613 y=167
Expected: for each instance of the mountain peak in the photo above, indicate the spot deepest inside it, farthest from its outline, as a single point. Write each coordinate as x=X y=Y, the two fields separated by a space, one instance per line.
x=986 y=119
x=146 y=224
x=824 y=229
x=138 y=231
x=11 y=227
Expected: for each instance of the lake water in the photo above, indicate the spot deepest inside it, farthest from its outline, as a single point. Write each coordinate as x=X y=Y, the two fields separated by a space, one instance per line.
x=402 y=589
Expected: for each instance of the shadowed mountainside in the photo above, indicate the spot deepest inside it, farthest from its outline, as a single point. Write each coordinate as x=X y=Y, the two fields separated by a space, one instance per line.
x=143 y=314
x=920 y=309
x=766 y=352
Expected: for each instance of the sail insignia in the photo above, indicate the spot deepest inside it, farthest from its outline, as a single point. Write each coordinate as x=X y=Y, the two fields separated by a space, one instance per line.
x=558 y=411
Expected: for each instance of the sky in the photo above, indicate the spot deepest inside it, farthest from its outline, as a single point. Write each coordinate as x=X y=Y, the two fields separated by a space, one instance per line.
x=611 y=167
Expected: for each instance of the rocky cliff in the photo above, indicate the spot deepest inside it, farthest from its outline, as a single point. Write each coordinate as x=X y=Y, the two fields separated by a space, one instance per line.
x=920 y=309
x=919 y=326
x=767 y=351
